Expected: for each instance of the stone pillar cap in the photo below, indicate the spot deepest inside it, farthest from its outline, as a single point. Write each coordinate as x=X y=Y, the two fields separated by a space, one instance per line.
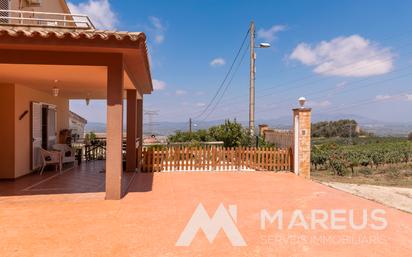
x=304 y=109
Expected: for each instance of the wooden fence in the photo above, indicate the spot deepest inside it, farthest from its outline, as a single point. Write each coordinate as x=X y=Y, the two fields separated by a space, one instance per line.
x=216 y=159
x=280 y=138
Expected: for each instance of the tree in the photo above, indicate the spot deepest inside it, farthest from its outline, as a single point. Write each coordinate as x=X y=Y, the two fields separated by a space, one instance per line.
x=201 y=135
x=410 y=136
x=232 y=134
x=339 y=128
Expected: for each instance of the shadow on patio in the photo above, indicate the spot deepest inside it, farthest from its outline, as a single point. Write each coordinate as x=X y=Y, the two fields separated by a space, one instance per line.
x=89 y=177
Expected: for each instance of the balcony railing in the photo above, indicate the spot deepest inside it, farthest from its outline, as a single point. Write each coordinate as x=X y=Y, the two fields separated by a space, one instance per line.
x=44 y=19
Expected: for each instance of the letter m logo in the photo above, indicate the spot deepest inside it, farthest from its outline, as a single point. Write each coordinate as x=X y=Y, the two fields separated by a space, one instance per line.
x=222 y=219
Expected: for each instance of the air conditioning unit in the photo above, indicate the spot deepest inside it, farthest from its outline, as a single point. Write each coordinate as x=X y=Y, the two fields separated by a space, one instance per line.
x=34 y=2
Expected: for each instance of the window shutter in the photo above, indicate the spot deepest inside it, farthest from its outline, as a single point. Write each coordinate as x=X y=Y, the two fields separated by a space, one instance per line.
x=51 y=127
x=36 y=134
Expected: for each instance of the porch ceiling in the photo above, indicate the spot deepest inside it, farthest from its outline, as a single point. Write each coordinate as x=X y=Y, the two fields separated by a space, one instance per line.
x=132 y=46
x=74 y=82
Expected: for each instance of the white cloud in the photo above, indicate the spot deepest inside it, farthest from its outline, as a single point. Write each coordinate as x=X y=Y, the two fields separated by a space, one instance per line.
x=158 y=29
x=399 y=97
x=384 y=97
x=217 y=62
x=341 y=85
x=158 y=85
x=99 y=11
x=352 y=56
x=200 y=104
x=320 y=104
x=181 y=92
x=270 y=34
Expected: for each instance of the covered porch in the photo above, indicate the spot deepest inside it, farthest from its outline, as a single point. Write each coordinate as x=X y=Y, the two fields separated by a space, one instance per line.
x=86 y=178
x=80 y=64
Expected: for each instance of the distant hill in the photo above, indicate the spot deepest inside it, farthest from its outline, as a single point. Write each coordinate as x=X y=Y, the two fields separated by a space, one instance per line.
x=95 y=127
x=285 y=122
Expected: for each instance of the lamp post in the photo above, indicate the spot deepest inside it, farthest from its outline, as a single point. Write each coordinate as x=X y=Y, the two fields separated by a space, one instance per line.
x=252 y=77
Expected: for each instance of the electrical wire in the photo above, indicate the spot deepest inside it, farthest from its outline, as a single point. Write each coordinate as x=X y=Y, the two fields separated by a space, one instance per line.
x=228 y=84
x=225 y=78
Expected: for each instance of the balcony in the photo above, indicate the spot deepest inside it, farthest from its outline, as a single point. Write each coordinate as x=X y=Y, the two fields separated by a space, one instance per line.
x=17 y=18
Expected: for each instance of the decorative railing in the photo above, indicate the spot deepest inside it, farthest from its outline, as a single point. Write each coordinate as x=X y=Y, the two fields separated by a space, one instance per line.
x=44 y=19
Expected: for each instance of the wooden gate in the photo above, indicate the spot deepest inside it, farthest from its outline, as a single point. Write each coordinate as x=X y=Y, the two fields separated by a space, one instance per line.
x=215 y=159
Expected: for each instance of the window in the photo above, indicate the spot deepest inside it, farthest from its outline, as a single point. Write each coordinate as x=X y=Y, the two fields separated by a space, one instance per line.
x=34 y=3
x=4 y=5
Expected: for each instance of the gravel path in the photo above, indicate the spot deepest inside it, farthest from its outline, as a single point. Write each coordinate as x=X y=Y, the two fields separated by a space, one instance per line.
x=397 y=197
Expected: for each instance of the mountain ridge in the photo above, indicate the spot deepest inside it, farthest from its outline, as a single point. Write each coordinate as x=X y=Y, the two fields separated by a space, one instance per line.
x=283 y=122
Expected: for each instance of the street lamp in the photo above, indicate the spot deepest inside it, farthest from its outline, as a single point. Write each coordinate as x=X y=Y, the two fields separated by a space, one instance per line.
x=252 y=77
x=264 y=45
x=302 y=101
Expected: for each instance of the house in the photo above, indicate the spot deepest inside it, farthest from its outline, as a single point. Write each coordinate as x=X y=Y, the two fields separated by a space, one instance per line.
x=49 y=56
x=77 y=125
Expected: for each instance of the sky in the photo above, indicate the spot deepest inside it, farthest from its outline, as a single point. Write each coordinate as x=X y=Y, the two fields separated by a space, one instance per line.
x=345 y=57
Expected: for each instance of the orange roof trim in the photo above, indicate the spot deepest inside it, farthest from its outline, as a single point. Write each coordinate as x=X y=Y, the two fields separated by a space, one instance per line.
x=120 y=40
x=130 y=37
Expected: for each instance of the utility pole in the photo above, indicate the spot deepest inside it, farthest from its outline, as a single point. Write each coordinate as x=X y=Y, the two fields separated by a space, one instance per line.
x=252 y=80
x=190 y=125
x=151 y=114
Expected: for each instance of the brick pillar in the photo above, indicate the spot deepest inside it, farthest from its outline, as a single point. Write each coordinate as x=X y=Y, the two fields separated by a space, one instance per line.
x=301 y=141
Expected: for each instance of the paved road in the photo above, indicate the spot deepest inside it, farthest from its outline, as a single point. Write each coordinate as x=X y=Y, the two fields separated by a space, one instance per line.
x=397 y=197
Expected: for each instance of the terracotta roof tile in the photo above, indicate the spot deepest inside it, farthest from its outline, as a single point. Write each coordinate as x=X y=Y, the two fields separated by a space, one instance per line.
x=73 y=34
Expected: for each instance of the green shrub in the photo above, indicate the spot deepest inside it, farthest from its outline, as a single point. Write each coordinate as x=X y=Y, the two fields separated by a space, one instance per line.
x=392 y=172
x=365 y=171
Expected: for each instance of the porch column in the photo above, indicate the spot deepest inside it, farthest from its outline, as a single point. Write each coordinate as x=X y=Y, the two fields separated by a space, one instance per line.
x=139 y=124
x=114 y=129
x=131 y=157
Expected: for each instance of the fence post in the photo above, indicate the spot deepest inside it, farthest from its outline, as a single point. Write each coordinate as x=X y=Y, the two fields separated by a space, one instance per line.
x=213 y=158
x=301 y=141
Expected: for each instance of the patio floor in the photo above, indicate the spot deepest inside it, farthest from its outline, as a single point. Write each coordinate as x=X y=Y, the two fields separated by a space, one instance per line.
x=151 y=217
x=85 y=178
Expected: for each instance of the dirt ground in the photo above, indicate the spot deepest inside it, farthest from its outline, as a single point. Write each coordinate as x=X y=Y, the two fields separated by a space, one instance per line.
x=397 y=197
x=394 y=176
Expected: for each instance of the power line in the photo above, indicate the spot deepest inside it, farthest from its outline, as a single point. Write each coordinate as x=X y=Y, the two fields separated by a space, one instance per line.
x=225 y=78
x=345 y=91
x=302 y=79
x=367 y=85
x=312 y=82
x=151 y=114
x=372 y=83
x=228 y=84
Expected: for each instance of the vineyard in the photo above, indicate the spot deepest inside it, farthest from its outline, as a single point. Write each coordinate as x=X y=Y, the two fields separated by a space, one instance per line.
x=343 y=156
